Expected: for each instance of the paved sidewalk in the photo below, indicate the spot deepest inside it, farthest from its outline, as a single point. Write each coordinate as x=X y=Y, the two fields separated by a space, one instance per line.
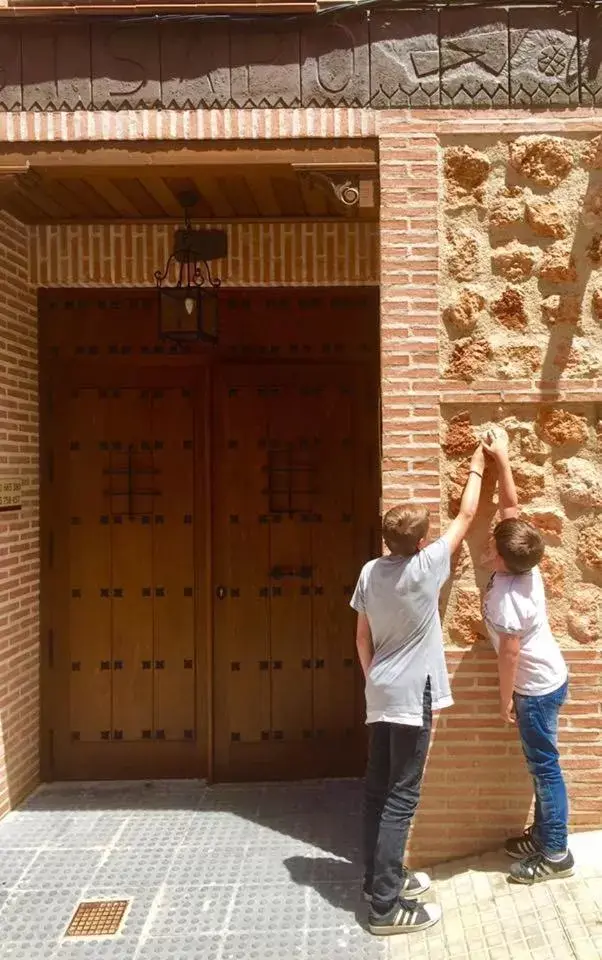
x=257 y=873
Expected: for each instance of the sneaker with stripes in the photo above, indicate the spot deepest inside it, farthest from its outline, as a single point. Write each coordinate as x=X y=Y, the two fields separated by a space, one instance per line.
x=538 y=867
x=525 y=846
x=407 y=916
x=412 y=885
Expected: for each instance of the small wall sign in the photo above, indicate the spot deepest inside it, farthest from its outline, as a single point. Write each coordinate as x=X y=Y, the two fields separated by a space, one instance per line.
x=10 y=494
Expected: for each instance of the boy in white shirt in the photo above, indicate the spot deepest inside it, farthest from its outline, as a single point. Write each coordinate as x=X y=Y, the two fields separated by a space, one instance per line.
x=533 y=676
x=400 y=647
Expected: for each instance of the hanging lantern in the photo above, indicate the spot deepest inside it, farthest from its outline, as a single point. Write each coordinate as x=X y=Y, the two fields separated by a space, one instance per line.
x=188 y=309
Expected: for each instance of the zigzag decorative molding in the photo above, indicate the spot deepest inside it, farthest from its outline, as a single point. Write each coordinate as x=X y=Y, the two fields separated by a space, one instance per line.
x=480 y=57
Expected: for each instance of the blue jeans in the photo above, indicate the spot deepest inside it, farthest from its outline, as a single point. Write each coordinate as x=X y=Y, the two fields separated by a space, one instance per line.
x=537 y=719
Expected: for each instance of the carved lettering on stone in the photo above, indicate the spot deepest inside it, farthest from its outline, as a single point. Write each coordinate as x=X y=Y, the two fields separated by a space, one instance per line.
x=125 y=64
x=590 y=56
x=544 y=61
x=474 y=59
x=195 y=65
x=10 y=67
x=56 y=67
x=334 y=62
x=265 y=65
x=404 y=59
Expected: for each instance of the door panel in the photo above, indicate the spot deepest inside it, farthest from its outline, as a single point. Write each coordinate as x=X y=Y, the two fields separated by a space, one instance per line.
x=130 y=507
x=290 y=446
x=89 y=566
x=126 y=522
x=173 y=566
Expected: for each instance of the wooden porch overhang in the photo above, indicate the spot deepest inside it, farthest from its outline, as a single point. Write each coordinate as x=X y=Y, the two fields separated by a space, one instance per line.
x=246 y=181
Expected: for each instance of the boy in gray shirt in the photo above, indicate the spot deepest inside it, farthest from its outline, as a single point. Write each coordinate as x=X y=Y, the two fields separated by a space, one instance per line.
x=400 y=647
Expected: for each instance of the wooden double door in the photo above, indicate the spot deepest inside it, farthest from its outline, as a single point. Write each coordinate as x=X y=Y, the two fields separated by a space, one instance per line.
x=203 y=527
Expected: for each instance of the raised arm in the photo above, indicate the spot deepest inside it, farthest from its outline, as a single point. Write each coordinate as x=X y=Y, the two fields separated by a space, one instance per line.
x=458 y=528
x=497 y=446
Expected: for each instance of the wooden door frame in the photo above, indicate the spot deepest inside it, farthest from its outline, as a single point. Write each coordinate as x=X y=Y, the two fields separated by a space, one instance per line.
x=152 y=371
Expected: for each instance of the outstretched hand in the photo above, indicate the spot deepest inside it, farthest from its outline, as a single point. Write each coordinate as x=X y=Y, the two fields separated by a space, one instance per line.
x=477 y=461
x=496 y=443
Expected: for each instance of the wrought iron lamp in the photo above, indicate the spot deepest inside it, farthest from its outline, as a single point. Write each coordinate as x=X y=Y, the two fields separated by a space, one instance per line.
x=188 y=309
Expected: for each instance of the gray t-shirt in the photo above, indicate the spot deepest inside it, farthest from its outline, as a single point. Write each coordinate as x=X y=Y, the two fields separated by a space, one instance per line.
x=400 y=597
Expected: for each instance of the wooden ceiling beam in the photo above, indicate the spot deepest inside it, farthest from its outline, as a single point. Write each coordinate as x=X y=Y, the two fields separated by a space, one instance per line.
x=122 y=159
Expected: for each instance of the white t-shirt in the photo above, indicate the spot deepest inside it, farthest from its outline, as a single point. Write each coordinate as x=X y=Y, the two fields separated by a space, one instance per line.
x=400 y=597
x=516 y=604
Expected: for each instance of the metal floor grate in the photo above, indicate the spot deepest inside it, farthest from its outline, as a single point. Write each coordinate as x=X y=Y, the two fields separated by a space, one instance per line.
x=99 y=918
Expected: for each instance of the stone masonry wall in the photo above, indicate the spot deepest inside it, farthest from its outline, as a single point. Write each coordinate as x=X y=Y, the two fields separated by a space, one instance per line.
x=522 y=301
x=19 y=551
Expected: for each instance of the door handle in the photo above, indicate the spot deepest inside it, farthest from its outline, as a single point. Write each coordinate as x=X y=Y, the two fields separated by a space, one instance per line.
x=220 y=592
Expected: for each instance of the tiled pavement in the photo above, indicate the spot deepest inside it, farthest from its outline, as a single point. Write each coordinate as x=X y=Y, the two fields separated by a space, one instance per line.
x=257 y=873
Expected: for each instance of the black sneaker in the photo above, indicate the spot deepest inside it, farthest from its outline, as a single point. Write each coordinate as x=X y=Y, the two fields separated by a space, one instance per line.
x=538 y=867
x=413 y=885
x=407 y=916
x=520 y=847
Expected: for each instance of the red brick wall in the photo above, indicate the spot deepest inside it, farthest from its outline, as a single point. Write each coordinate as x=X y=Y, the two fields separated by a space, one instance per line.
x=19 y=554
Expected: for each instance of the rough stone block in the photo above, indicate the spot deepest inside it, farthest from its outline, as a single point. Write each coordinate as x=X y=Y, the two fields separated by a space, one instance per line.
x=530 y=481
x=591 y=213
x=579 y=358
x=579 y=482
x=462 y=315
x=584 y=619
x=463 y=255
x=589 y=545
x=465 y=171
x=507 y=208
x=559 y=427
x=564 y=308
x=546 y=218
x=469 y=358
x=461 y=437
x=594 y=250
x=515 y=262
x=558 y=264
x=509 y=310
x=548 y=520
x=553 y=572
x=466 y=625
x=544 y=160
x=533 y=449
x=519 y=362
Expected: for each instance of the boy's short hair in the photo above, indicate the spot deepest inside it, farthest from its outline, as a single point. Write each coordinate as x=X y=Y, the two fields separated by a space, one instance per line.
x=519 y=544
x=404 y=526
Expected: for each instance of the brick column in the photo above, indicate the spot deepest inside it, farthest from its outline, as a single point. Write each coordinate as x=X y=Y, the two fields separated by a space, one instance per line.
x=409 y=316
x=19 y=530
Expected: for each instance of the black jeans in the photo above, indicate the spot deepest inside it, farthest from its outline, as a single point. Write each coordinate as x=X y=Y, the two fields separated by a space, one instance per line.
x=396 y=761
